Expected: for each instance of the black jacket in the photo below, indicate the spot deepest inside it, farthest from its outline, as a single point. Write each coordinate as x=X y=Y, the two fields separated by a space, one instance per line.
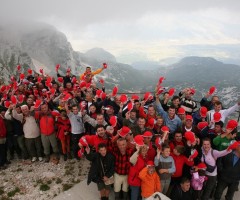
x=226 y=170
x=96 y=173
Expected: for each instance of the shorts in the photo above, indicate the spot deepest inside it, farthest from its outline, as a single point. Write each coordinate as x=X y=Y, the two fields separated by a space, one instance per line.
x=102 y=186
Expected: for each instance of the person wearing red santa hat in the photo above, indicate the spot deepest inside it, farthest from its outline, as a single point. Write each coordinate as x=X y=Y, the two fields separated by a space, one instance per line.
x=222 y=141
x=138 y=161
x=224 y=112
x=187 y=102
x=147 y=137
x=95 y=140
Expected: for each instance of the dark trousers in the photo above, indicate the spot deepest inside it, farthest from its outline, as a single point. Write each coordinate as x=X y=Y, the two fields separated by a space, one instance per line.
x=3 y=154
x=209 y=186
x=22 y=146
x=34 y=146
x=75 y=140
x=221 y=185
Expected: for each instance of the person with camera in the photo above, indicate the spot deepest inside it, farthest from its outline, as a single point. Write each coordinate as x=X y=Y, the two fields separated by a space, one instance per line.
x=101 y=170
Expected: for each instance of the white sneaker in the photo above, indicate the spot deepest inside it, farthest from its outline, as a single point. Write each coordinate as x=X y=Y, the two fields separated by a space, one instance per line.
x=40 y=159
x=34 y=159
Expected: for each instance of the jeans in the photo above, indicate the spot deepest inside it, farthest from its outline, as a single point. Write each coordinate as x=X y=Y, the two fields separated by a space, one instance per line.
x=221 y=185
x=135 y=192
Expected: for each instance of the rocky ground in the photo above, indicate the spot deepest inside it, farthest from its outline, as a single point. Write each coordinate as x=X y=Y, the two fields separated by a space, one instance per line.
x=39 y=180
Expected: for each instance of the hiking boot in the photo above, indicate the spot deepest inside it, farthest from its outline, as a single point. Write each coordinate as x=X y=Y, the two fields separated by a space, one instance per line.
x=65 y=157
x=34 y=159
x=47 y=159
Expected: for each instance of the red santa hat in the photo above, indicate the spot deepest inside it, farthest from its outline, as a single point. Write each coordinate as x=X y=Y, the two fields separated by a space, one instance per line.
x=14 y=99
x=165 y=129
x=203 y=112
x=124 y=131
x=202 y=125
x=189 y=117
x=138 y=139
x=101 y=81
x=151 y=122
x=234 y=145
x=22 y=76
x=20 y=98
x=192 y=91
x=171 y=92
x=217 y=116
x=161 y=79
x=82 y=105
x=67 y=97
x=57 y=67
x=114 y=91
x=130 y=106
x=105 y=66
x=202 y=166
x=113 y=121
x=150 y=163
x=19 y=67
x=37 y=103
x=7 y=104
x=146 y=96
x=135 y=97
x=83 y=141
x=190 y=136
x=3 y=88
x=212 y=90
x=41 y=71
x=29 y=71
x=123 y=98
x=181 y=111
x=194 y=154
x=82 y=84
x=147 y=134
x=231 y=124
x=158 y=142
x=98 y=93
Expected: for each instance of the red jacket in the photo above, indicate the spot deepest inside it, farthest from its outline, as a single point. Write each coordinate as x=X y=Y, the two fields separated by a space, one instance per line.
x=3 y=130
x=174 y=143
x=94 y=140
x=62 y=127
x=134 y=170
x=180 y=161
x=46 y=122
x=151 y=152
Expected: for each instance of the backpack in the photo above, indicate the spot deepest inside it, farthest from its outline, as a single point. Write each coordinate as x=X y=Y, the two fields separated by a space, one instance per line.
x=210 y=168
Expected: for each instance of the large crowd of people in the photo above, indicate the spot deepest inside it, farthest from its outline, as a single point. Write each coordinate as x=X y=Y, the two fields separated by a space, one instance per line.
x=161 y=144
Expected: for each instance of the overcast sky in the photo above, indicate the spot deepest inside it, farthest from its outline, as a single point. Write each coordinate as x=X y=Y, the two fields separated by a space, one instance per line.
x=135 y=30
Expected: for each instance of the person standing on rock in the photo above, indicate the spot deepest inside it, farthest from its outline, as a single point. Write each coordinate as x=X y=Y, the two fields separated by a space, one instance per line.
x=31 y=132
x=46 y=119
x=77 y=127
x=101 y=170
